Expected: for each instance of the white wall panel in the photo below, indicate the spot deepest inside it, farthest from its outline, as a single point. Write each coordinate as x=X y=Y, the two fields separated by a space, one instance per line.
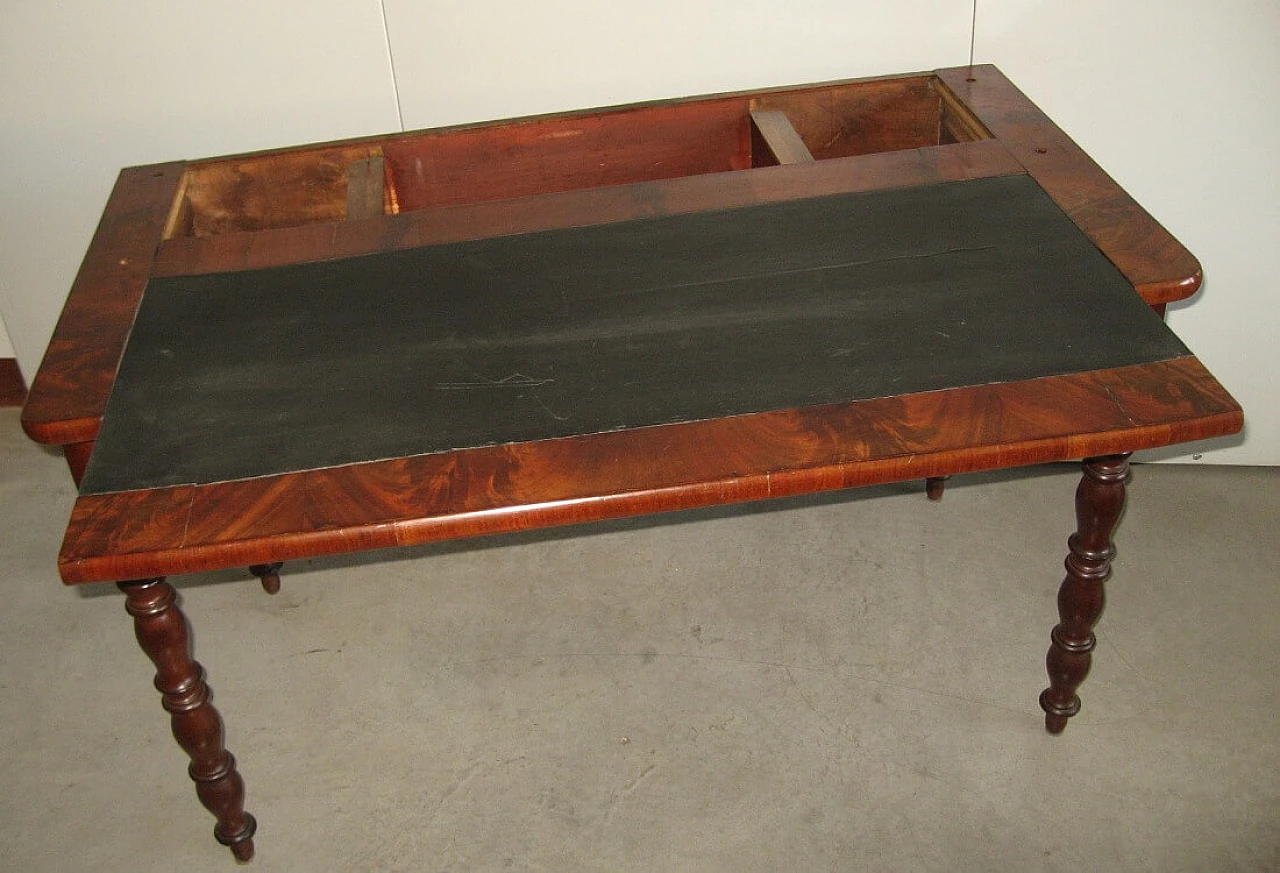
x=1180 y=102
x=89 y=87
x=458 y=62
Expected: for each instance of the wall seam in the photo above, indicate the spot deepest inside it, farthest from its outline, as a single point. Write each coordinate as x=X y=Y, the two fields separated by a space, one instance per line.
x=391 y=61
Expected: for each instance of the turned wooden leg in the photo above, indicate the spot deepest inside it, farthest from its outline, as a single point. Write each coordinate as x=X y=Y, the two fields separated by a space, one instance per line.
x=1099 y=502
x=269 y=574
x=162 y=632
x=934 y=486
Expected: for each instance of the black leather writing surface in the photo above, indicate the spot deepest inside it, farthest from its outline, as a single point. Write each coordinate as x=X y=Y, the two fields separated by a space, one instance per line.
x=563 y=332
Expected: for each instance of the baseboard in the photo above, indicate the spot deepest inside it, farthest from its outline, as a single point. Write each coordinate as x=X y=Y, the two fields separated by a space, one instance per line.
x=13 y=391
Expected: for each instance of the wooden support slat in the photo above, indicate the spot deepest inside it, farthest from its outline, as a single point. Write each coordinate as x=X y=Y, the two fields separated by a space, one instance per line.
x=957 y=121
x=781 y=138
x=365 y=188
x=182 y=219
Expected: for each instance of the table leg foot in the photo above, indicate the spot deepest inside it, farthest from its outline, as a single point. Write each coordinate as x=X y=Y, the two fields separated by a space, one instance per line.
x=935 y=486
x=1099 y=502
x=269 y=574
x=1055 y=724
x=162 y=633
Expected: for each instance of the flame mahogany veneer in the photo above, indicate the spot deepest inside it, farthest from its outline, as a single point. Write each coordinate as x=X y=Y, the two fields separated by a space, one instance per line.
x=586 y=170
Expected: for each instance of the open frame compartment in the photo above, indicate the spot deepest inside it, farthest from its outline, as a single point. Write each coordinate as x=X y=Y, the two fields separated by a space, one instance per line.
x=570 y=151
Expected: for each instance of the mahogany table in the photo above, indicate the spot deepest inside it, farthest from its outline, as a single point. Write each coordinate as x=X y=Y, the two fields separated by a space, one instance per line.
x=615 y=312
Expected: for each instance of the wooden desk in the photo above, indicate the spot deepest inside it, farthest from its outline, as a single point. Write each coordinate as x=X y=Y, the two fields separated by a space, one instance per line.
x=616 y=312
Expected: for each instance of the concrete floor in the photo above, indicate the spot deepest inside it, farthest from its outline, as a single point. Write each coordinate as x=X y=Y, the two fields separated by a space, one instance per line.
x=840 y=683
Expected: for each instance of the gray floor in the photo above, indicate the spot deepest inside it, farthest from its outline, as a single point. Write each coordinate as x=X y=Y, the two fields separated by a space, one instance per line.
x=842 y=683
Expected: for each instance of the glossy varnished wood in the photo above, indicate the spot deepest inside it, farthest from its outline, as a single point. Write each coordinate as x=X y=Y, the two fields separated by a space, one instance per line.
x=322 y=202
x=1099 y=502
x=70 y=390
x=728 y=190
x=564 y=153
x=1160 y=268
x=589 y=148
x=13 y=388
x=286 y=206
x=162 y=633
x=586 y=330
x=77 y=455
x=506 y=488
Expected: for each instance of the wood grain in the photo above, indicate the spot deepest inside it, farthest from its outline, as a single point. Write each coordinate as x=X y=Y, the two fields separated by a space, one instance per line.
x=77 y=456
x=529 y=485
x=162 y=633
x=250 y=206
x=248 y=251
x=1159 y=267
x=1099 y=501
x=778 y=138
x=300 y=186
x=569 y=170
x=70 y=390
x=546 y=155
x=843 y=119
x=365 y=188
x=13 y=388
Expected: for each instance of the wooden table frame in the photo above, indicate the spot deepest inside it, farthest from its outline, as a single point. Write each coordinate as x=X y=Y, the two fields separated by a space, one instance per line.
x=168 y=219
